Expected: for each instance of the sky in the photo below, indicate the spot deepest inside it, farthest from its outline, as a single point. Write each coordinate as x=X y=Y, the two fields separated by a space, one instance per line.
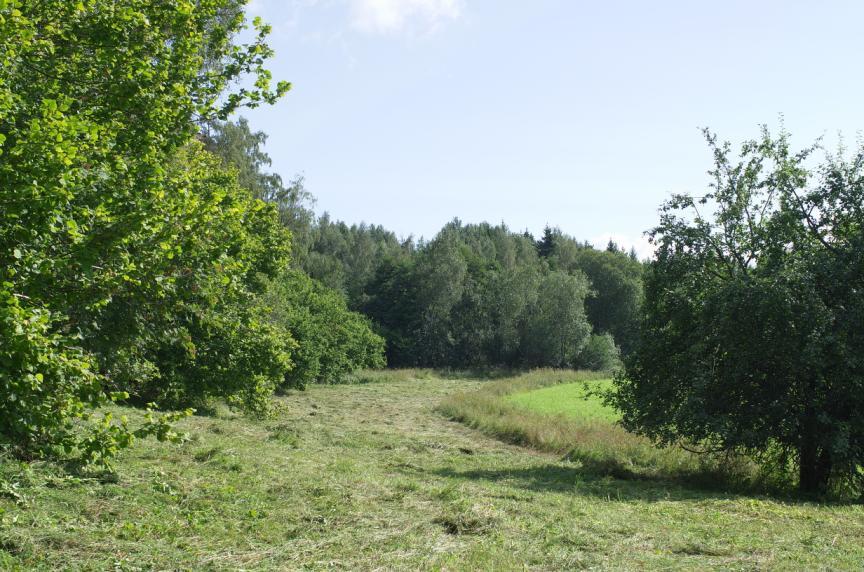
x=580 y=115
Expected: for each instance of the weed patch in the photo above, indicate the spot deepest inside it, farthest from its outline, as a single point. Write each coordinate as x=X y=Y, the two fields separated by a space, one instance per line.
x=462 y=518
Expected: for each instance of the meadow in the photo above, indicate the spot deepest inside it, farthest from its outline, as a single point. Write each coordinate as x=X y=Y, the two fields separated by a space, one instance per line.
x=376 y=476
x=578 y=399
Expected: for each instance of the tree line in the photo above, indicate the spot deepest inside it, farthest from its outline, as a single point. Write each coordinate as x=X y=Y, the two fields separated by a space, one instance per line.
x=483 y=295
x=476 y=295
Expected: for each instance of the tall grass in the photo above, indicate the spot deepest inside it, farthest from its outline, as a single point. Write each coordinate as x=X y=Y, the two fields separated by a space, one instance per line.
x=600 y=445
x=385 y=376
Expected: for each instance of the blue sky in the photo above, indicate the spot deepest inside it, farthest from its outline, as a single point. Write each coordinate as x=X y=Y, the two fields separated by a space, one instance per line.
x=583 y=115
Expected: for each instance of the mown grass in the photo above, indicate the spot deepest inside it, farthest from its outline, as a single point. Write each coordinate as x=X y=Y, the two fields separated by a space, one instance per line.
x=370 y=477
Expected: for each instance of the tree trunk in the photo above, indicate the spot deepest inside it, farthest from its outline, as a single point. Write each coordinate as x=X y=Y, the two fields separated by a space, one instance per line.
x=814 y=461
x=814 y=469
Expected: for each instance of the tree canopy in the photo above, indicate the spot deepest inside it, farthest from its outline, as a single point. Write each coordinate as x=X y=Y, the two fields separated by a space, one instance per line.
x=481 y=295
x=751 y=335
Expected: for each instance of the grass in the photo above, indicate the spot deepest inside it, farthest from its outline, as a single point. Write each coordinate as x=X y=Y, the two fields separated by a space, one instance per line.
x=371 y=477
x=548 y=410
x=579 y=399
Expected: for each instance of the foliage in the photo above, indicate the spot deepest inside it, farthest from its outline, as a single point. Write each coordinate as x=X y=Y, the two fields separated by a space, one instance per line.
x=471 y=296
x=616 y=287
x=46 y=386
x=97 y=98
x=202 y=334
x=546 y=245
x=600 y=353
x=241 y=148
x=557 y=328
x=50 y=388
x=480 y=295
x=393 y=308
x=751 y=338
x=346 y=258
x=331 y=340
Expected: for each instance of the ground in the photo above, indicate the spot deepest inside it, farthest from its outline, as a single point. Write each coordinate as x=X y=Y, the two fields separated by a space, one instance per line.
x=372 y=477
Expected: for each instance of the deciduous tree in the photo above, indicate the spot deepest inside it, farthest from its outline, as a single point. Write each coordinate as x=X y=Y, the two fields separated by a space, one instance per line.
x=751 y=338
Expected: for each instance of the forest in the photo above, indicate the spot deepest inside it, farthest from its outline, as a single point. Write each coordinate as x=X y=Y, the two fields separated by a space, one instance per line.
x=157 y=275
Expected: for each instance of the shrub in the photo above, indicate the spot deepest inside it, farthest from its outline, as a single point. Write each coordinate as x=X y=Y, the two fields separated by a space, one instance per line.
x=331 y=340
x=599 y=354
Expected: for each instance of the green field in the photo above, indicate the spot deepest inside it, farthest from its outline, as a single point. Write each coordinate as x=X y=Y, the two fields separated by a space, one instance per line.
x=373 y=477
x=571 y=399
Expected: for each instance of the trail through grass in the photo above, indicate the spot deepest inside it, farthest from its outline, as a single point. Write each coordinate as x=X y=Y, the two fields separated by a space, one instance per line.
x=372 y=477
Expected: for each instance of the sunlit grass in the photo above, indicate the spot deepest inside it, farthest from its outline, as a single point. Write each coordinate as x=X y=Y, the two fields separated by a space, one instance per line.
x=579 y=400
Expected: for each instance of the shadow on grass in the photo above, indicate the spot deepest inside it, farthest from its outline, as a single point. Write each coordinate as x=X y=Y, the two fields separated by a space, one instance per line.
x=586 y=481
x=582 y=480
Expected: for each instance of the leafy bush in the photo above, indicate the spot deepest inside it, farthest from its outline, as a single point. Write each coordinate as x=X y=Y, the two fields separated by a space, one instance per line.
x=331 y=340
x=50 y=389
x=599 y=354
x=47 y=383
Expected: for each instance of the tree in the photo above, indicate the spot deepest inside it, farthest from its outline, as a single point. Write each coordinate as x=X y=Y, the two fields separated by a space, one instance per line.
x=242 y=149
x=198 y=331
x=346 y=258
x=512 y=295
x=751 y=337
x=546 y=245
x=557 y=328
x=394 y=310
x=442 y=272
x=97 y=99
x=616 y=290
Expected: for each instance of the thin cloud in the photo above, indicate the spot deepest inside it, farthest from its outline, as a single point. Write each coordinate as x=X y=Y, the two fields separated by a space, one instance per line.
x=395 y=16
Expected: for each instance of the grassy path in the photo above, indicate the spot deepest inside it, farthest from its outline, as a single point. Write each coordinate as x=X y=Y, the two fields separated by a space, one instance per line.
x=370 y=477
